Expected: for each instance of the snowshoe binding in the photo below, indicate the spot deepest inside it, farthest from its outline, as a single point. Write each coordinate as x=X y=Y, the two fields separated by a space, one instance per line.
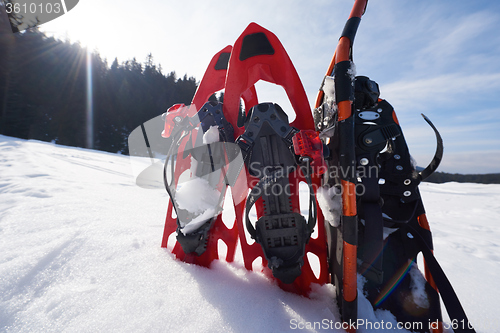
x=389 y=209
x=197 y=197
x=269 y=156
x=377 y=223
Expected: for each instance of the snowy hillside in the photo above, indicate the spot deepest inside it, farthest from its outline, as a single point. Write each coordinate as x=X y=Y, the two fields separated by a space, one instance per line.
x=80 y=252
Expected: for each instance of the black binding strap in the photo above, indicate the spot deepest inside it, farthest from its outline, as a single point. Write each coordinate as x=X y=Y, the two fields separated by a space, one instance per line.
x=210 y=157
x=266 y=183
x=283 y=236
x=282 y=233
x=450 y=299
x=344 y=82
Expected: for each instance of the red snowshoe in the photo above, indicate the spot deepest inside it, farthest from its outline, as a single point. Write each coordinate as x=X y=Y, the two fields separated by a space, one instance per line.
x=260 y=155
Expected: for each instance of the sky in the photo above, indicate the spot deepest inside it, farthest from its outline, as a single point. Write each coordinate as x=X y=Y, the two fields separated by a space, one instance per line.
x=440 y=58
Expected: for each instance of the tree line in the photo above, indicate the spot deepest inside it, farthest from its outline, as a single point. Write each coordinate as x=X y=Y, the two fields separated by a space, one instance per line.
x=44 y=95
x=443 y=177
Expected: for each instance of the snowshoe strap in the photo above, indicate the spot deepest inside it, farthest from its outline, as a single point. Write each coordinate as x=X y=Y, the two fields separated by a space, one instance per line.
x=283 y=236
x=210 y=157
x=400 y=196
x=450 y=298
x=268 y=153
x=265 y=185
x=372 y=248
x=211 y=115
x=195 y=242
x=374 y=128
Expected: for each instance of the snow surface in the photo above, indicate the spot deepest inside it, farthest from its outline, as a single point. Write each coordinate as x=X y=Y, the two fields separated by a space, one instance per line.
x=417 y=286
x=80 y=252
x=330 y=203
x=199 y=198
x=211 y=135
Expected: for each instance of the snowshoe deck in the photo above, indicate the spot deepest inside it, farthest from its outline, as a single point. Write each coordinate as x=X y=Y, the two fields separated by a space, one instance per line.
x=283 y=235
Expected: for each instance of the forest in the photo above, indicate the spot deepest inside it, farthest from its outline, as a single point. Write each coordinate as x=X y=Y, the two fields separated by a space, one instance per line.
x=443 y=177
x=47 y=87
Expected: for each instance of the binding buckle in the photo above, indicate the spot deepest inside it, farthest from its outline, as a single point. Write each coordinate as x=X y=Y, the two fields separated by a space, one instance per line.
x=174 y=117
x=307 y=143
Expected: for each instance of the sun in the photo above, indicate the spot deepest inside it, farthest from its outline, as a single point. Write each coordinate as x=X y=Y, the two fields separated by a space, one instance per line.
x=83 y=25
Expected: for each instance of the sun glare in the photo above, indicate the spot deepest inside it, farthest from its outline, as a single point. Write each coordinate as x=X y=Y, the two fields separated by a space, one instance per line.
x=90 y=104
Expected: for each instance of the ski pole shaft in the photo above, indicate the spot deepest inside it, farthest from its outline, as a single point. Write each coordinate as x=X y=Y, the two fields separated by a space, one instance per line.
x=341 y=68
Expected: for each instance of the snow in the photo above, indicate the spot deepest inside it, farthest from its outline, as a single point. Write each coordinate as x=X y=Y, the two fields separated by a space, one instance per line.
x=198 y=197
x=211 y=135
x=330 y=203
x=329 y=90
x=417 y=287
x=80 y=252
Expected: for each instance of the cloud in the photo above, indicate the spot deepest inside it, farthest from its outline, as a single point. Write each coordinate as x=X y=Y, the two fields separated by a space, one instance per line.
x=454 y=43
x=475 y=162
x=442 y=90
